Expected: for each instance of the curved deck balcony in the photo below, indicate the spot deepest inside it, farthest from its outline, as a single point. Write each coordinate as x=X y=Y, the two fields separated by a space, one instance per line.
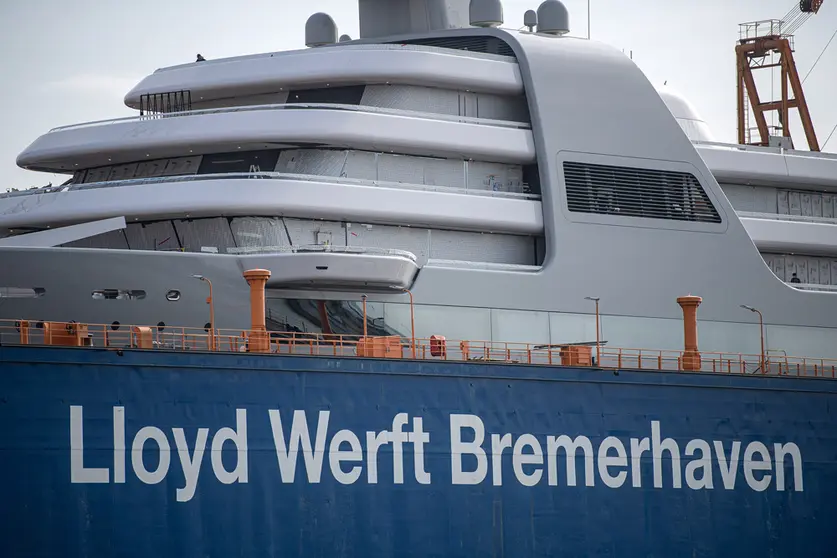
x=792 y=234
x=769 y=166
x=271 y=193
x=269 y=126
x=339 y=65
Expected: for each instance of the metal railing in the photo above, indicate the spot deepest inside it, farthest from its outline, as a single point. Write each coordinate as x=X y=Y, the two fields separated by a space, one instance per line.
x=271 y=175
x=169 y=338
x=765 y=149
x=278 y=55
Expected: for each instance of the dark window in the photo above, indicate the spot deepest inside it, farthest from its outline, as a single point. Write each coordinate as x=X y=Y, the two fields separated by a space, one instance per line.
x=347 y=95
x=118 y=294
x=488 y=45
x=531 y=179
x=636 y=192
x=242 y=162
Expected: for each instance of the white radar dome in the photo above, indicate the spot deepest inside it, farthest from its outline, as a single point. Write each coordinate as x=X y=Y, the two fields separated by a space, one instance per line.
x=686 y=115
x=486 y=13
x=553 y=18
x=320 y=29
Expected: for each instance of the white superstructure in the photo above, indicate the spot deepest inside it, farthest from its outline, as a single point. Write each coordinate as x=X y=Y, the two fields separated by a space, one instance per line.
x=498 y=175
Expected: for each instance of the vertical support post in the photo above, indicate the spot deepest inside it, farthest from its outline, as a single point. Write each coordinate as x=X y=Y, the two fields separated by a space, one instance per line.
x=742 y=125
x=761 y=335
x=588 y=20
x=691 y=356
x=363 y=298
x=259 y=341
x=412 y=324
x=799 y=96
x=598 y=330
x=211 y=302
x=785 y=110
x=24 y=332
x=598 y=336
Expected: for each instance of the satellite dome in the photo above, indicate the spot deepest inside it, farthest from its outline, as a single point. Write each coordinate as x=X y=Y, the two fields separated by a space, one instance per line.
x=320 y=29
x=486 y=13
x=345 y=38
x=553 y=18
x=686 y=115
x=530 y=19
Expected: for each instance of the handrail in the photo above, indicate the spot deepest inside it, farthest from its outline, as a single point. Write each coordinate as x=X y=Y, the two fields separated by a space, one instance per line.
x=367 y=47
x=786 y=217
x=32 y=333
x=322 y=248
x=766 y=149
x=271 y=175
x=303 y=106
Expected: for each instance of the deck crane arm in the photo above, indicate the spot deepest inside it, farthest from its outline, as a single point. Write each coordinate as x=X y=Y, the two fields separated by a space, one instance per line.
x=798 y=15
x=757 y=41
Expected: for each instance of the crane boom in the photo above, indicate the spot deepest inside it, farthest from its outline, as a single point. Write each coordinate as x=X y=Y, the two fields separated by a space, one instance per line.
x=798 y=15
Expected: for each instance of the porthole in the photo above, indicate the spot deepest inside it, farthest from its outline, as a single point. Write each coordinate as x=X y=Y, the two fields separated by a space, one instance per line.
x=173 y=295
x=115 y=326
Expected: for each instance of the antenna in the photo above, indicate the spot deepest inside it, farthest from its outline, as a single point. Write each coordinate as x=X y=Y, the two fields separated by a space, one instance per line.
x=530 y=19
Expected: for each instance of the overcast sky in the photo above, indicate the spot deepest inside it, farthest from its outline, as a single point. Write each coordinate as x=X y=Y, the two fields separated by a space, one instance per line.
x=68 y=61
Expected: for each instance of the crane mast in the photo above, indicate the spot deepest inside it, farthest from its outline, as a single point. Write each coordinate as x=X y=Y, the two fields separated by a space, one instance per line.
x=758 y=42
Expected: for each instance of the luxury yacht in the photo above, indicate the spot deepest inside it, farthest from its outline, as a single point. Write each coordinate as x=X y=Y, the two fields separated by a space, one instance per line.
x=495 y=177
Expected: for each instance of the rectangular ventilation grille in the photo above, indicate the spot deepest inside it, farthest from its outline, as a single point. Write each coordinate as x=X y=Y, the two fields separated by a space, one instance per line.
x=636 y=192
x=488 y=45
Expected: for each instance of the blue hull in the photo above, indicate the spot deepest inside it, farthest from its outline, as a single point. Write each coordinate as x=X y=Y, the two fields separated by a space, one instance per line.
x=666 y=464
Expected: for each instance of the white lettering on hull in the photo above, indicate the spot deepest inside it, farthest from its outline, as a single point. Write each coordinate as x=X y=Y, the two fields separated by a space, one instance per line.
x=552 y=461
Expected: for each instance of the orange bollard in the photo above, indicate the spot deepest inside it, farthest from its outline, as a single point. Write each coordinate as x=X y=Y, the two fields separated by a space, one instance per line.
x=691 y=356
x=259 y=341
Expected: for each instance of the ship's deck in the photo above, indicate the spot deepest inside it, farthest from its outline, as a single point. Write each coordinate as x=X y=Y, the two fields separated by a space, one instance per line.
x=434 y=349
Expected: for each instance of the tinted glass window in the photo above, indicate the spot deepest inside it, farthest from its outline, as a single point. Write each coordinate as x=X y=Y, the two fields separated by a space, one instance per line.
x=348 y=95
x=245 y=161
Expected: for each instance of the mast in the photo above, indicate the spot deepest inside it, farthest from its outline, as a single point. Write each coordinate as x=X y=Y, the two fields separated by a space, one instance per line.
x=381 y=18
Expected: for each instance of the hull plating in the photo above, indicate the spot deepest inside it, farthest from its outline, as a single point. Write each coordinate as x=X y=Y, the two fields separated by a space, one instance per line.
x=301 y=456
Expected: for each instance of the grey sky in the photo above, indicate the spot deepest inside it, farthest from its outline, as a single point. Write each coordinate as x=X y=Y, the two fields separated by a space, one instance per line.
x=68 y=61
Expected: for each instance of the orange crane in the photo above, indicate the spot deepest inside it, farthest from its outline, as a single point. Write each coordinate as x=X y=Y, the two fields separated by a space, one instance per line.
x=758 y=42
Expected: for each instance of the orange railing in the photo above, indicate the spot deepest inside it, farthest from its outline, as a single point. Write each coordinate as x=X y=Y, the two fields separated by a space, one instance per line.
x=318 y=344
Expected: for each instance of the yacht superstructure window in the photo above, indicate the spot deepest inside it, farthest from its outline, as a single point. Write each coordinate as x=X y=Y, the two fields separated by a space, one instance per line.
x=205 y=235
x=241 y=162
x=118 y=294
x=488 y=45
x=347 y=95
x=242 y=235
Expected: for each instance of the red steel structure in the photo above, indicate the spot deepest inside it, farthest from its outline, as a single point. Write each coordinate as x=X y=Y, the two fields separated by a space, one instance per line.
x=758 y=42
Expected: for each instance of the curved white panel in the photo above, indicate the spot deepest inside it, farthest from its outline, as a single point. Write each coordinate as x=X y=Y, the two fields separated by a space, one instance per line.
x=350 y=64
x=290 y=198
x=769 y=166
x=325 y=270
x=772 y=235
x=132 y=139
